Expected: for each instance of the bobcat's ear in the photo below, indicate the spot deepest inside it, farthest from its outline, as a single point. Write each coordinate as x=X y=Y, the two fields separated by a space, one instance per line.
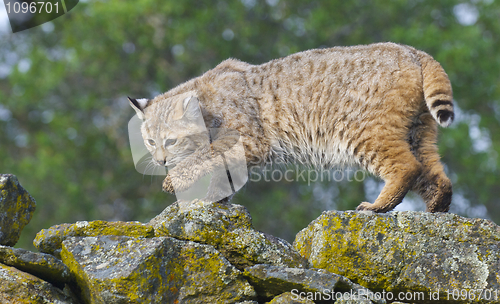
x=191 y=108
x=139 y=105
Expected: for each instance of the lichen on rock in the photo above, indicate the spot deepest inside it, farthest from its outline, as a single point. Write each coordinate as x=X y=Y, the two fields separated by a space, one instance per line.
x=119 y=269
x=16 y=209
x=44 y=266
x=405 y=251
x=18 y=287
x=199 y=252
x=227 y=227
x=318 y=284
x=50 y=240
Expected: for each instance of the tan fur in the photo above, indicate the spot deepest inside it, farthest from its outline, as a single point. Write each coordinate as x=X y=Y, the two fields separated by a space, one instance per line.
x=375 y=106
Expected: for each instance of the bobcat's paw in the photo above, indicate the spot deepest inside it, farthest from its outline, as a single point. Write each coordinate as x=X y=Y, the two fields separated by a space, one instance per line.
x=167 y=185
x=365 y=206
x=438 y=207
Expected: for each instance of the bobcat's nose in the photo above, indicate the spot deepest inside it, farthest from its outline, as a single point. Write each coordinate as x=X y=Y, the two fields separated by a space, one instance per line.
x=161 y=162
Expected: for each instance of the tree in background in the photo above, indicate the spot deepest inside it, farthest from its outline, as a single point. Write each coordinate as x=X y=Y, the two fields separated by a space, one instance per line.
x=64 y=112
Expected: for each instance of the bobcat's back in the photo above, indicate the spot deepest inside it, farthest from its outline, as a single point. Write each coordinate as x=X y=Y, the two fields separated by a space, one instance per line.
x=319 y=106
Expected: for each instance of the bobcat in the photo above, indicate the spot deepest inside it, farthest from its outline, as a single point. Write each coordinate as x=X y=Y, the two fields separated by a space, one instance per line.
x=375 y=106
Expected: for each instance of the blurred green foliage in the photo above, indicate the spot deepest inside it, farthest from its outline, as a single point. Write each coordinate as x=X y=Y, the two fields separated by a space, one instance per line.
x=64 y=112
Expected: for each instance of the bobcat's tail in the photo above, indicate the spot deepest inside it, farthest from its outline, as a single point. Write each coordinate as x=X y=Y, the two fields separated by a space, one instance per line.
x=437 y=90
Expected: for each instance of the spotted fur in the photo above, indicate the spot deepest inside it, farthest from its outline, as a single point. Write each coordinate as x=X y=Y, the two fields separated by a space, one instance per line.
x=376 y=106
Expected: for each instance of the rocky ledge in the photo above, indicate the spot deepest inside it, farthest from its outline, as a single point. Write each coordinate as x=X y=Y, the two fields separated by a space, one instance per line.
x=197 y=252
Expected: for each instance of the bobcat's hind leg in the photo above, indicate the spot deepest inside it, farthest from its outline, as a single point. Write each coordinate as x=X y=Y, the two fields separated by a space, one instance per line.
x=432 y=185
x=435 y=188
x=399 y=169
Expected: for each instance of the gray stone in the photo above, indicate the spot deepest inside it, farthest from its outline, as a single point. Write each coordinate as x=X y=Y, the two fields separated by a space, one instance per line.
x=313 y=284
x=20 y=287
x=42 y=265
x=228 y=228
x=405 y=251
x=119 y=269
x=50 y=240
x=16 y=209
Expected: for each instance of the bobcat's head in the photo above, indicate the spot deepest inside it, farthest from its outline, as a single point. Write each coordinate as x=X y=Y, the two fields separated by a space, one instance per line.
x=172 y=128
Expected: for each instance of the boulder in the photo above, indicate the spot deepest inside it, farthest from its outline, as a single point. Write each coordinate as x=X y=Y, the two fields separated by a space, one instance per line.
x=21 y=287
x=311 y=284
x=120 y=269
x=16 y=209
x=228 y=228
x=42 y=265
x=50 y=240
x=435 y=253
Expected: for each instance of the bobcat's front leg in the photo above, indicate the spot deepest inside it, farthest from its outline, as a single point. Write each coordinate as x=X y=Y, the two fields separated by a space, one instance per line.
x=182 y=177
x=188 y=171
x=167 y=185
x=202 y=162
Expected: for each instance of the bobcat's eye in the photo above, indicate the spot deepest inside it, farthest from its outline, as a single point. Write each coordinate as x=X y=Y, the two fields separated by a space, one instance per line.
x=170 y=142
x=151 y=142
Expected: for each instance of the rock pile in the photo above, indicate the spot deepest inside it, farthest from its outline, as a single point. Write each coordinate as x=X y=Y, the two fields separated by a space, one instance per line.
x=197 y=252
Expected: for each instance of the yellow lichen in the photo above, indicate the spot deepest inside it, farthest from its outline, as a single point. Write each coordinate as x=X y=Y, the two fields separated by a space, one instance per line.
x=189 y=269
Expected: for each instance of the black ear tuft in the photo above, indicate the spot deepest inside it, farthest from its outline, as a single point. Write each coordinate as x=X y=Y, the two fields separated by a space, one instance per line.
x=138 y=105
x=134 y=102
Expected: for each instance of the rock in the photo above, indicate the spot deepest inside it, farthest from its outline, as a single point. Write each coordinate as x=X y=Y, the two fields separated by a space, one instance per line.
x=20 y=287
x=50 y=240
x=16 y=209
x=405 y=251
x=313 y=284
x=42 y=265
x=120 y=269
x=290 y=298
x=228 y=228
